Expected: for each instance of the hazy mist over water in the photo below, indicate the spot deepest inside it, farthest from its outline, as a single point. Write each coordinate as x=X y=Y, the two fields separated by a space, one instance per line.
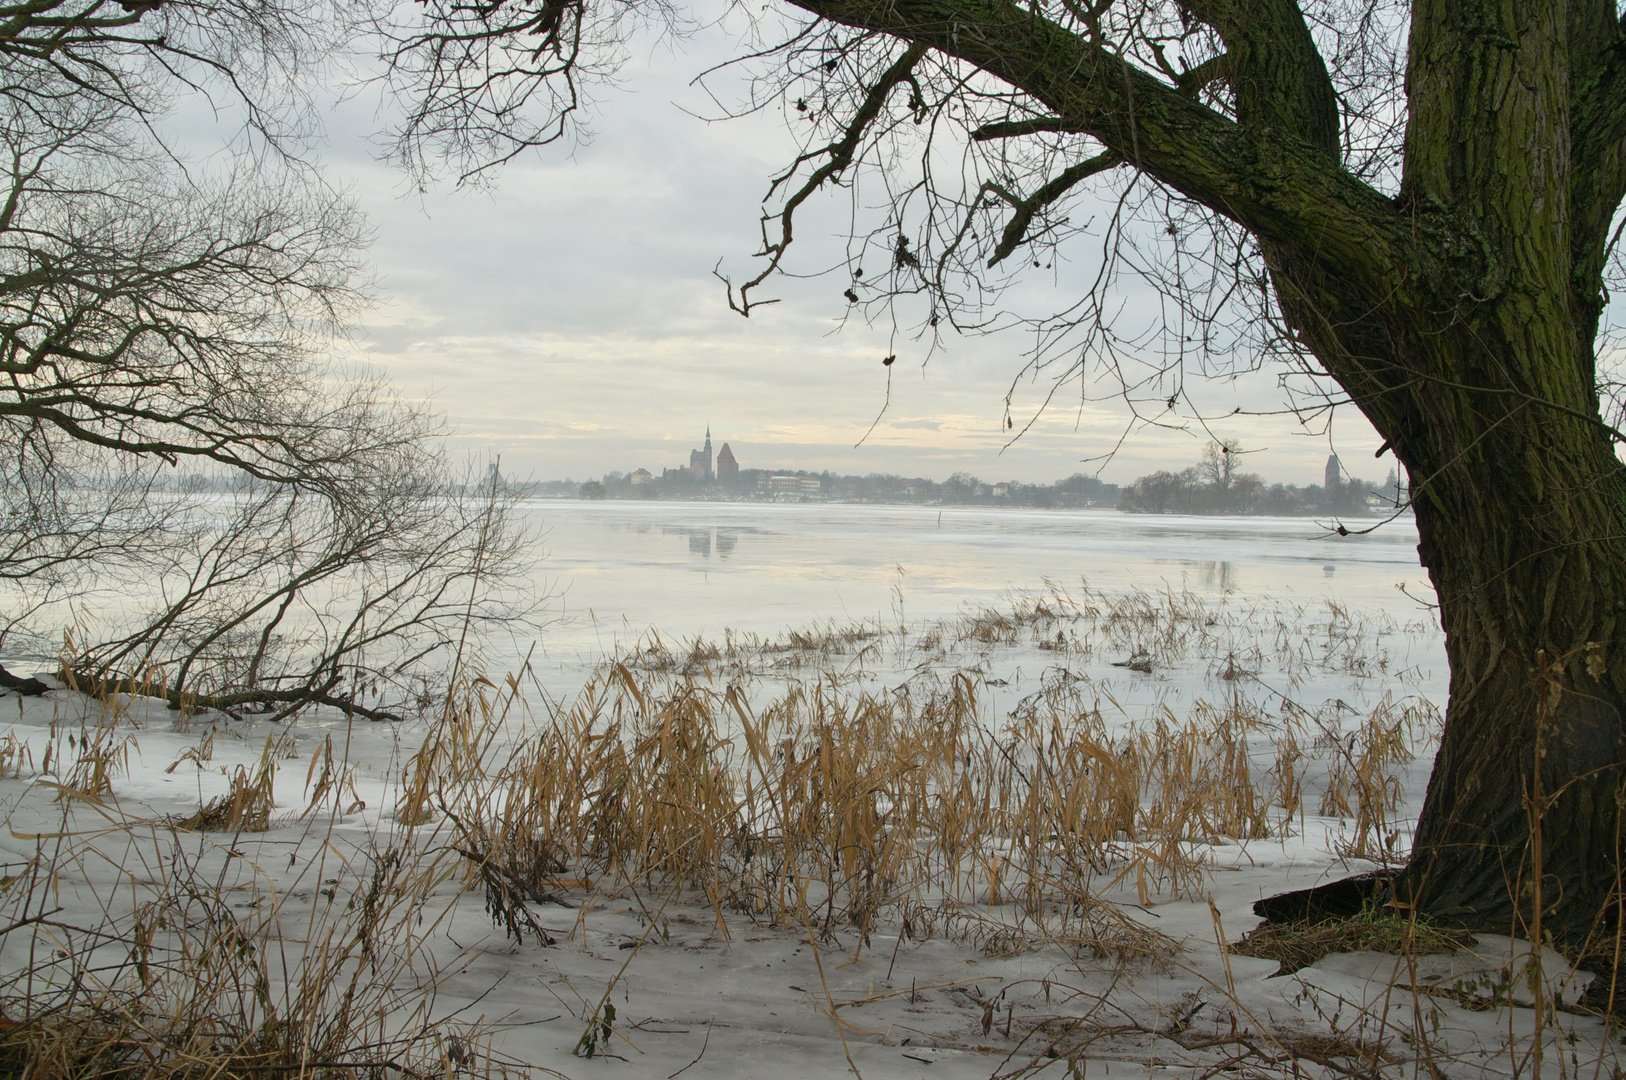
x=619 y=570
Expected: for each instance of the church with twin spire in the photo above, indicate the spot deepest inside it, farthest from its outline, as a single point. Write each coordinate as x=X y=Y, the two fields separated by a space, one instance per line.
x=700 y=463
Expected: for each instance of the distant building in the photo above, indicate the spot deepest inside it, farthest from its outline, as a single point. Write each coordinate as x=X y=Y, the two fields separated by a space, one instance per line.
x=727 y=467
x=789 y=485
x=1002 y=490
x=700 y=460
x=1333 y=473
x=640 y=476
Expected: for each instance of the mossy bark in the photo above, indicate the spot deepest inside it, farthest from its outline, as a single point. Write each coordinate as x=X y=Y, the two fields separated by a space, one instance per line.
x=1460 y=316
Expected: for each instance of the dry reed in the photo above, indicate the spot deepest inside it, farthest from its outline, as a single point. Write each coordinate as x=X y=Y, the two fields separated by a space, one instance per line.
x=836 y=803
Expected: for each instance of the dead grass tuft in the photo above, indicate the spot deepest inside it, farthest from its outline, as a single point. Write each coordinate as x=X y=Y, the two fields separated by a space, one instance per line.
x=196 y=981
x=1297 y=945
x=247 y=804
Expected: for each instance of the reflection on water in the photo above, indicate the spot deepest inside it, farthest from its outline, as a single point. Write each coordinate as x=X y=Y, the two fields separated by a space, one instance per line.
x=701 y=541
x=618 y=569
x=1217 y=576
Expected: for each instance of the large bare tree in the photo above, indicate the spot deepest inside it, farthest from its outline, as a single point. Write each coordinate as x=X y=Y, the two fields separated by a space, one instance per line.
x=1413 y=200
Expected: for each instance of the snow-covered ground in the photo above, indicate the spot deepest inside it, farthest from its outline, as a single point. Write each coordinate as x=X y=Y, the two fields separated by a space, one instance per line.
x=662 y=981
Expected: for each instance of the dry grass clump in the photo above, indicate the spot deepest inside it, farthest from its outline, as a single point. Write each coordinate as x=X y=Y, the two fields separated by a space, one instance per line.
x=1149 y=631
x=745 y=655
x=192 y=980
x=1362 y=781
x=94 y=758
x=1297 y=945
x=153 y=949
x=1174 y=1038
x=810 y=810
x=990 y=626
x=1147 y=798
x=247 y=804
x=13 y=754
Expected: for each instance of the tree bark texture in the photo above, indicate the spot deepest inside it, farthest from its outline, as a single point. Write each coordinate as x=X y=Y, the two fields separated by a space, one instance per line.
x=1461 y=317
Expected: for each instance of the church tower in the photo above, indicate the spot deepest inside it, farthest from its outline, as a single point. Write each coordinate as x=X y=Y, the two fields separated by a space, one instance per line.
x=700 y=460
x=727 y=468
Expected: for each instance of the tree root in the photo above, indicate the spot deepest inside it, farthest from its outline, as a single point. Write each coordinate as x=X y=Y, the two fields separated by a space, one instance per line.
x=25 y=687
x=1341 y=899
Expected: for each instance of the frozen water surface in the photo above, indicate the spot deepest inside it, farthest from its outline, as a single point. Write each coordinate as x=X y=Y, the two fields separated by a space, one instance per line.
x=686 y=569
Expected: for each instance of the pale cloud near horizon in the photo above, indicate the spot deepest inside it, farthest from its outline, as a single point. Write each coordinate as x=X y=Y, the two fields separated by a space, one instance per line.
x=568 y=320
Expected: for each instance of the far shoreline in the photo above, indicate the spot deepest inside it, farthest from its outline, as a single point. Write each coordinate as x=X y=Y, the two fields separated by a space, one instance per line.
x=997 y=504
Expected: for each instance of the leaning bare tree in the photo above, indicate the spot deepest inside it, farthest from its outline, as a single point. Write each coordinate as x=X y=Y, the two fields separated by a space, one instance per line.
x=1414 y=201
x=220 y=512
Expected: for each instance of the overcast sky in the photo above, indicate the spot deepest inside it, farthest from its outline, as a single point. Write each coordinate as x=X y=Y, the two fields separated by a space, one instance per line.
x=568 y=320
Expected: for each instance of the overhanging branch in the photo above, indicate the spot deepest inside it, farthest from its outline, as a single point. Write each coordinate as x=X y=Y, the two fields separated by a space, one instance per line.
x=1016 y=229
x=1275 y=184
x=1011 y=129
x=839 y=155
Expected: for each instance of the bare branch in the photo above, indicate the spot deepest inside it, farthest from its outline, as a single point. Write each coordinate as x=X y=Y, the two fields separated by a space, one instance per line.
x=1281 y=188
x=1049 y=193
x=838 y=156
x=1011 y=129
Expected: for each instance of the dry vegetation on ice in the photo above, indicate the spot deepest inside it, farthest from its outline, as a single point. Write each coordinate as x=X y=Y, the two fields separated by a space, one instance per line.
x=1010 y=844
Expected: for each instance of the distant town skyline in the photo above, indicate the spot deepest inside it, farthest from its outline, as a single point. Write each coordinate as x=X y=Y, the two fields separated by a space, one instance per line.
x=1212 y=485
x=703 y=465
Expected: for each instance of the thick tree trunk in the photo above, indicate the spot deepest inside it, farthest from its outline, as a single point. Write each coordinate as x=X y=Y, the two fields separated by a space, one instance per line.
x=1521 y=515
x=1522 y=535
x=1520 y=500
x=1479 y=370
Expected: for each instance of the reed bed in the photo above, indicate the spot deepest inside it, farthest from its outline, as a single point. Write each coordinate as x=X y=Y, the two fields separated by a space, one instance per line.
x=837 y=803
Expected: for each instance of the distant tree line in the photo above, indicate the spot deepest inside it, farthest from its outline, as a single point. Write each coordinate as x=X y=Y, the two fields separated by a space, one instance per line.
x=1218 y=485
